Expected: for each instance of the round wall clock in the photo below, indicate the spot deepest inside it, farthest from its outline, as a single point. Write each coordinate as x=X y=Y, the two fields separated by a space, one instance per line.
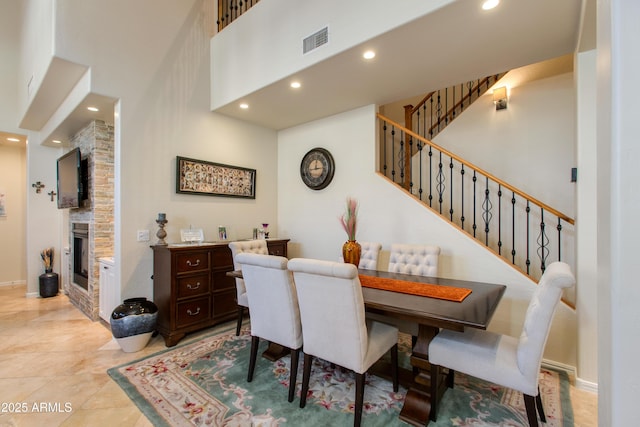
x=317 y=168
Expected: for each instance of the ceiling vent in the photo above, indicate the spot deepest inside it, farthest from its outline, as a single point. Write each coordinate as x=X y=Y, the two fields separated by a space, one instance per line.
x=315 y=40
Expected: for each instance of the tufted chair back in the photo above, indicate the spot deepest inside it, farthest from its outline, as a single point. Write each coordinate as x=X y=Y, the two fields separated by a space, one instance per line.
x=369 y=255
x=258 y=246
x=419 y=260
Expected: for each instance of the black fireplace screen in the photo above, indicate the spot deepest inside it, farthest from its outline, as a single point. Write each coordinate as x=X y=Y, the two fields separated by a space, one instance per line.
x=81 y=254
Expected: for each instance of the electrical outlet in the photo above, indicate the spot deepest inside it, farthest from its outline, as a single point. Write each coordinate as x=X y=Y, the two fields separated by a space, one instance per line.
x=143 y=235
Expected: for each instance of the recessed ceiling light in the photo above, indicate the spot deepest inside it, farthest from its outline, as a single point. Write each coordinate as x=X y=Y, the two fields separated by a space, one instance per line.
x=13 y=139
x=244 y=106
x=369 y=54
x=490 y=4
x=57 y=141
x=94 y=109
x=295 y=85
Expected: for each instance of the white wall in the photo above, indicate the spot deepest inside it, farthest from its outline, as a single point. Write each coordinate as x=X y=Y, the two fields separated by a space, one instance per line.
x=281 y=48
x=10 y=19
x=586 y=201
x=43 y=217
x=618 y=127
x=37 y=39
x=310 y=219
x=13 y=174
x=531 y=144
x=153 y=56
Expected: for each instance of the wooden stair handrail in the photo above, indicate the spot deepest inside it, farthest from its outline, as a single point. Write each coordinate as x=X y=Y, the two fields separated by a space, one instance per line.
x=521 y=193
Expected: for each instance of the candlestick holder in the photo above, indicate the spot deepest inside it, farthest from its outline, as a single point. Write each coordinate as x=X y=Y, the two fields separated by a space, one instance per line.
x=161 y=233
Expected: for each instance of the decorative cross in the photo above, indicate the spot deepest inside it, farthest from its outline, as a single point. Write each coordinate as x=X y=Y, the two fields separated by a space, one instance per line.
x=38 y=186
x=52 y=193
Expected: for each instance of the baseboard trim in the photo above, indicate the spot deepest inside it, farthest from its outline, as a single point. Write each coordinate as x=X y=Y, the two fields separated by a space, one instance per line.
x=587 y=385
x=571 y=371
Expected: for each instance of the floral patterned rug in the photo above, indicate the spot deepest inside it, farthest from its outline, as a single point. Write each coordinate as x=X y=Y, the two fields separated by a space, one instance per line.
x=203 y=383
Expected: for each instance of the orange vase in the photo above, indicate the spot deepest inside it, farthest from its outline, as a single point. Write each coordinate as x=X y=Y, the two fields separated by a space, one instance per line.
x=351 y=252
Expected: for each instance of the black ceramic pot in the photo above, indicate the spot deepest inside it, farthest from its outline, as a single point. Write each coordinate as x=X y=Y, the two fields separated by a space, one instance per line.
x=133 y=322
x=49 y=283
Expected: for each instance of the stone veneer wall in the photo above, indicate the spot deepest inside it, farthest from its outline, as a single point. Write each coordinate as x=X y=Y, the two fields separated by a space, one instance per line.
x=96 y=145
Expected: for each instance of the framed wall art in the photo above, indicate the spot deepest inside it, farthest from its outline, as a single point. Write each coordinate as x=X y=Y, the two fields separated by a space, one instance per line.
x=214 y=179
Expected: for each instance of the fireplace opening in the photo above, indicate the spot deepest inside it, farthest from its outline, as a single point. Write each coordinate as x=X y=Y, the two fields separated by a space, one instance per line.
x=80 y=254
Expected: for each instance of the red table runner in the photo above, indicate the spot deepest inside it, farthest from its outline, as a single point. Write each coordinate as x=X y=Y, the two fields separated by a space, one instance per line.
x=449 y=293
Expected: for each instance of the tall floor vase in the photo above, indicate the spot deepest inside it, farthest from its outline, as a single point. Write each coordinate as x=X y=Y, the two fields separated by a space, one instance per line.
x=351 y=251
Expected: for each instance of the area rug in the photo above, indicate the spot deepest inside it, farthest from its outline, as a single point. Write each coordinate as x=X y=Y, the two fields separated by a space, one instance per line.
x=203 y=383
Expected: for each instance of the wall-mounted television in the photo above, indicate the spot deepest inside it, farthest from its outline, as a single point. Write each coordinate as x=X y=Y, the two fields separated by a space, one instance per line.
x=72 y=180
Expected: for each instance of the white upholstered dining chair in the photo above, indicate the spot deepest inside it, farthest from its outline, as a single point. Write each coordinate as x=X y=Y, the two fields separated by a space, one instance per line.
x=501 y=359
x=258 y=246
x=420 y=260
x=334 y=325
x=369 y=255
x=273 y=304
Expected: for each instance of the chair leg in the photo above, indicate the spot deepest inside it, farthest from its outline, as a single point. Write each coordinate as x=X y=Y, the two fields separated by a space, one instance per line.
x=450 y=378
x=306 y=373
x=255 y=341
x=540 y=408
x=530 y=404
x=240 y=314
x=293 y=373
x=359 y=398
x=394 y=367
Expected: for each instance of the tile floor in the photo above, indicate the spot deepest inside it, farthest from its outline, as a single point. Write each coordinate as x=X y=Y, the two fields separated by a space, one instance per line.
x=53 y=357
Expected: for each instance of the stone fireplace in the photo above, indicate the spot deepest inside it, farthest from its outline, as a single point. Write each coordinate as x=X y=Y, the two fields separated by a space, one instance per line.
x=91 y=226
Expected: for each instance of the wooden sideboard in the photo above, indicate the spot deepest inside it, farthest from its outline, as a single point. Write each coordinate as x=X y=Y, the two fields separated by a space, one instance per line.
x=191 y=287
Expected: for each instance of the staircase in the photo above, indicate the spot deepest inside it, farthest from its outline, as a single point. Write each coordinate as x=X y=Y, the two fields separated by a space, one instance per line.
x=525 y=232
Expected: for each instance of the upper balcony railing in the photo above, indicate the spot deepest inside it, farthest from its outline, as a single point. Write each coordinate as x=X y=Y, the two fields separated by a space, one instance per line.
x=230 y=10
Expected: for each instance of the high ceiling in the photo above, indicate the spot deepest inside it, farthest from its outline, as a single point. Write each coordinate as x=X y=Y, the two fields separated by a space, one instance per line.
x=457 y=43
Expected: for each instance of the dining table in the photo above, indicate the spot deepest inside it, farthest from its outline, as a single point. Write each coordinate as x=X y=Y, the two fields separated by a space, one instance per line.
x=466 y=309
x=420 y=301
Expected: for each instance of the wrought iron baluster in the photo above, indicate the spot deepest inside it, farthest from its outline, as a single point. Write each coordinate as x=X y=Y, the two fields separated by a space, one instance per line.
x=384 y=145
x=430 y=176
x=559 y=227
x=513 y=227
x=486 y=211
x=401 y=157
x=475 y=224
x=410 y=164
x=393 y=153
x=440 y=179
x=462 y=192
x=543 y=241
x=499 y=219
x=451 y=189
x=420 y=145
x=528 y=261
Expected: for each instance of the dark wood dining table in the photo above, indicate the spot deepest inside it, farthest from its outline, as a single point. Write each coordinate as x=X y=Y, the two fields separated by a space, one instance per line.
x=430 y=314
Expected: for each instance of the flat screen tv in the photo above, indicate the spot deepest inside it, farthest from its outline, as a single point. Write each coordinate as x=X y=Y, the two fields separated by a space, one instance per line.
x=72 y=180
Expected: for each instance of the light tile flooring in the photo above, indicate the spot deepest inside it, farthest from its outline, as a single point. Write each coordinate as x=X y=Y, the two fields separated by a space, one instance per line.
x=53 y=357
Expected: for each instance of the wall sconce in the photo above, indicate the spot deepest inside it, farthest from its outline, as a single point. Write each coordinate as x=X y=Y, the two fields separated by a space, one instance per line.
x=500 y=98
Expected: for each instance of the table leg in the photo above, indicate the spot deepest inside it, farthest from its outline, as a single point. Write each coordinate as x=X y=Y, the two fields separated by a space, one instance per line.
x=417 y=403
x=275 y=352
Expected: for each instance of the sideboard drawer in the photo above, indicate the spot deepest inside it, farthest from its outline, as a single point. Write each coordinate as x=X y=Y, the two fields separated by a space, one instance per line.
x=192 y=286
x=193 y=311
x=192 y=261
